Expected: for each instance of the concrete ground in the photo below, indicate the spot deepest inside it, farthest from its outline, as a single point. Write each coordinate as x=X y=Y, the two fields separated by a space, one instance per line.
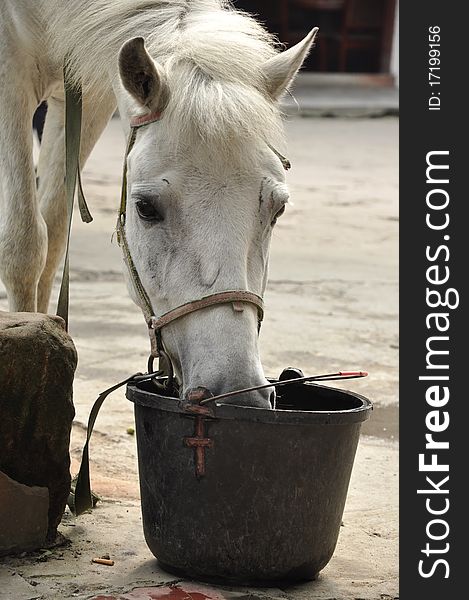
x=331 y=304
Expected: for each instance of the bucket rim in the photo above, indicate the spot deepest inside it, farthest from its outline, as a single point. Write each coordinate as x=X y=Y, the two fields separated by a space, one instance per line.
x=358 y=414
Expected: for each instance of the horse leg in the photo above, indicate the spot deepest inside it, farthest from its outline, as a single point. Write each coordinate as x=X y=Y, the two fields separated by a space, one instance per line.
x=51 y=174
x=23 y=234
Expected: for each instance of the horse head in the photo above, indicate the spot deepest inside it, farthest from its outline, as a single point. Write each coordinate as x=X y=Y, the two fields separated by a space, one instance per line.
x=205 y=188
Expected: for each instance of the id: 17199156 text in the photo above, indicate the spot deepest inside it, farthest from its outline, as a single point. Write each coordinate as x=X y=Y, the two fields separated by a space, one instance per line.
x=434 y=67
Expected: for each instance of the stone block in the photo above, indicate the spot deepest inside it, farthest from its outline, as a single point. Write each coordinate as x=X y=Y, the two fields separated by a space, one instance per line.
x=37 y=366
x=24 y=517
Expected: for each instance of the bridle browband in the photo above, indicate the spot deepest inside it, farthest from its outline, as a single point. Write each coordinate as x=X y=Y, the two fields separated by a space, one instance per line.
x=156 y=324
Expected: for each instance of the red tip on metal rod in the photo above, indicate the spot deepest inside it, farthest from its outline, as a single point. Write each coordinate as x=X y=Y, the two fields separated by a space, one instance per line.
x=353 y=374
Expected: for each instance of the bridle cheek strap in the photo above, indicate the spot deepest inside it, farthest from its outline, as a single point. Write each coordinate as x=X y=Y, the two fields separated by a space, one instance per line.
x=235 y=297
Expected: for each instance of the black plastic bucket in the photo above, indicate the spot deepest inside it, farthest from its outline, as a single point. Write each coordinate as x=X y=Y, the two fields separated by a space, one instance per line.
x=248 y=495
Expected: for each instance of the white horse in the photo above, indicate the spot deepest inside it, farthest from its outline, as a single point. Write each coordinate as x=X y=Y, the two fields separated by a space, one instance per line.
x=205 y=187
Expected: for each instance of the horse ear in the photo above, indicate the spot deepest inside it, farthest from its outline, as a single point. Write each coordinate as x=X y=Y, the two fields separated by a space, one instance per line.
x=142 y=77
x=280 y=71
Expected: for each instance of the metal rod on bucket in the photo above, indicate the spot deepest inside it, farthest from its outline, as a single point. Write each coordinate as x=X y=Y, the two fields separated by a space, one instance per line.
x=329 y=377
x=156 y=376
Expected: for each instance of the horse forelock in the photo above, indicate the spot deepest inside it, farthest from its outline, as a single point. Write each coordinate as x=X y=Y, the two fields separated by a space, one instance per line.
x=227 y=115
x=213 y=56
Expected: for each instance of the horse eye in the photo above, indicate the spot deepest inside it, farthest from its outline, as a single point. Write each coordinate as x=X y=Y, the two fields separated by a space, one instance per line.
x=279 y=214
x=147 y=211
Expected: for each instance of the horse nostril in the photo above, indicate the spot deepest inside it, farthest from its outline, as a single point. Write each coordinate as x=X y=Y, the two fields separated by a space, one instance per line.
x=196 y=395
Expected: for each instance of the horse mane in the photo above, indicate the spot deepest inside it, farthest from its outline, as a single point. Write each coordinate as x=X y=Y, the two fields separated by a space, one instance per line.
x=213 y=55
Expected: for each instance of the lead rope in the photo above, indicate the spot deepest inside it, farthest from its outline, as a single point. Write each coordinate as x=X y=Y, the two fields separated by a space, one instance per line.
x=83 y=499
x=73 y=114
x=73 y=120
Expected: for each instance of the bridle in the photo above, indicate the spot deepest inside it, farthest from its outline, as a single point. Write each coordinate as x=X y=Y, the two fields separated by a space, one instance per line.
x=155 y=324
